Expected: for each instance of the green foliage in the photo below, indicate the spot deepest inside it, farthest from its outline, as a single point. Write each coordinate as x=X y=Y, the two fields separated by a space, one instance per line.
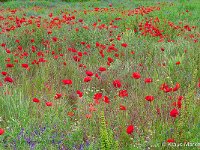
x=106 y=135
x=4 y=0
x=45 y=80
x=80 y=0
x=187 y=111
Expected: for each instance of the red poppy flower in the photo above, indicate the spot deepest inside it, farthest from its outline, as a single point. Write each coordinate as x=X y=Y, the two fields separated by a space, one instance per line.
x=9 y=65
x=79 y=93
x=176 y=87
x=8 y=59
x=4 y=73
x=97 y=97
x=162 y=49
x=25 y=66
x=97 y=76
x=179 y=104
x=180 y=98
x=124 y=44
x=198 y=84
x=88 y=46
x=49 y=104
x=136 y=75
x=58 y=95
x=70 y=114
x=64 y=63
x=174 y=112
x=19 y=47
x=8 y=51
x=149 y=98
x=67 y=81
x=1 y=131
x=88 y=116
x=3 y=44
x=148 y=80
x=117 y=83
x=87 y=79
x=158 y=110
x=110 y=60
x=165 y=88
x=80 y=20
x=106 y=100
x=187 y=27
x=76 y=58
x=80 y=54
x=178 y=63
x=83 y=43
x=170 y=141
x=92 y=108
x=32 y=40
x=36 y=100
x=97 y=44
x=85 y=53
x=132 y=52
x=130 y=129
x=123 y=93
x=102 y=69
x=89 y=73
x=8 y=79
x=50 y=15
x=77 y=29
x=122 y=107
x=118 y=38
x=55 y=39
x=116 y=55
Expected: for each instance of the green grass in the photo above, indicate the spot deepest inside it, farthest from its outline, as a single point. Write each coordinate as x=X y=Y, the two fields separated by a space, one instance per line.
x=29 y=124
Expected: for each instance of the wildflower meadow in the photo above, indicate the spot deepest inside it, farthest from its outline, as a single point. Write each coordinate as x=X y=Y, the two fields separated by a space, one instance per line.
x=99 y=75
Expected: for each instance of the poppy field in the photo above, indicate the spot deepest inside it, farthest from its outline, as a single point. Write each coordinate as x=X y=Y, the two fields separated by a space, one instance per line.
x=100 y=75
